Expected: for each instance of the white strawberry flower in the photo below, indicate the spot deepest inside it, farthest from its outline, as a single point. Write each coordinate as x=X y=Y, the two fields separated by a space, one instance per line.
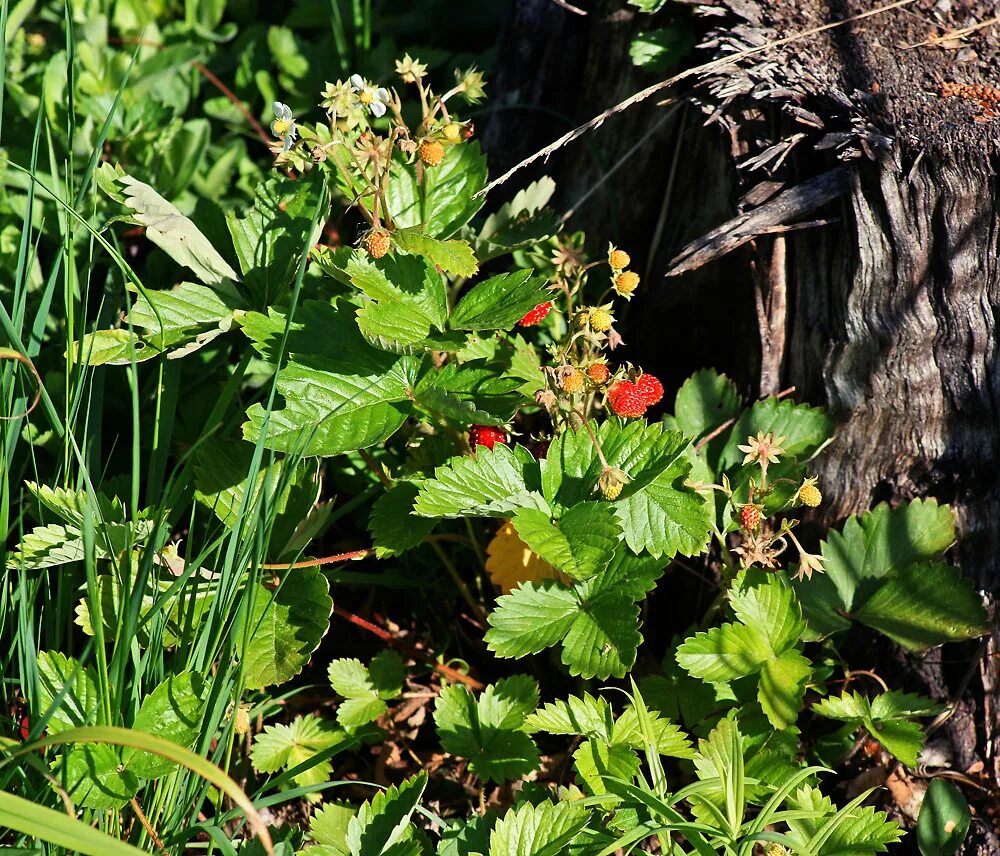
x=283 y=125
x=374 y=98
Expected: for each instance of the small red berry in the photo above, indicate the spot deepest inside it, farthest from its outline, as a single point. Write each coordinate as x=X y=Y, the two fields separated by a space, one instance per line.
x=651 y=388
x=486 y=435
x=749 y=517
x=599 y=373
x=377 y=243
x=536 y=314
x=626 y=399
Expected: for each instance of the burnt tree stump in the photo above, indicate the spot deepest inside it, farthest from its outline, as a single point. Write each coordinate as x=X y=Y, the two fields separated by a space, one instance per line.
x=850 y=180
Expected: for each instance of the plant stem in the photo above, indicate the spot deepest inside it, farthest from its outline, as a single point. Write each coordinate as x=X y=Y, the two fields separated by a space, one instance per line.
x=463 y=589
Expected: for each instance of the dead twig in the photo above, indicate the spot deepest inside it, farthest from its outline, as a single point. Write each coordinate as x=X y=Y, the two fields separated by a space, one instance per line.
x=952 y=35
x=649 y=91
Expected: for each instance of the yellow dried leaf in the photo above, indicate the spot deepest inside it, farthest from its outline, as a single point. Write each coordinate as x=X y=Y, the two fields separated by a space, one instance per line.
x=511 y=562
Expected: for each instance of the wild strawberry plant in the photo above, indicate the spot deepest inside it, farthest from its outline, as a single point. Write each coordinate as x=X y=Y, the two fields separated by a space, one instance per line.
x=454 y=368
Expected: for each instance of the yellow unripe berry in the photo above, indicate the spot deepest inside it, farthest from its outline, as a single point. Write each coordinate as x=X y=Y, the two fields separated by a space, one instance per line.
x=611 y=492
x=626 y=282
x=377 y=243
x=601 y=320
x=431 y=152
x=809 y=495
x=611 y=482
x=452 y=132
x=241 y=721
x=572 y=382
x=619 y=259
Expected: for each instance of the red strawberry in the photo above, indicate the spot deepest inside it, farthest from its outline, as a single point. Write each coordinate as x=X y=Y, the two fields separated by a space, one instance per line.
x=651 y=388
x=626 y=399
x=486 y=435
x=749 y=517
x=536 y=314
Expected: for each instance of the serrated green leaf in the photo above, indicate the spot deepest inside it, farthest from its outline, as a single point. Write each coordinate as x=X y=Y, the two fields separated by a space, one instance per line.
x=328 y=827
x=499 y=302
x=883 y=540
x=189 y=312
x=668 y=739
x=724 y=653
x=896 y=704
x=173 y=711
x=926 y=605
x=901 y=738
x=490 y=483
x=604 y=637
x=782 y=686
x=285 y=627
x=771 y=608
x=580 y=544
x=661 y=50
x=846 y=707
x=488 y=732
x=392 y=523
x=454 y=257
x=269 y=237
x=398 y=327
x=59 y=675
x=366 y=690
x=339 y=392
x=447 y=199
x=384 y=821
x=586 y=715
x=400 y=279
x=595 y=760
x=285 y=746
x=522 y=222
x=542 y=830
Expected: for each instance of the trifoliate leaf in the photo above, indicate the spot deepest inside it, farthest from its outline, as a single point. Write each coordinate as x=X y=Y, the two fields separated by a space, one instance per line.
x=366 y=689
x=542 y=830
x=339 y=392
x=510 y=562
x=580 y=544
x=490 y=483
x=531 y=618
x=63 y=678
x=668 y=738
x=285 y=627
x=172 y=711
x=880 y=569
x=488 y=732
x=499 y=302
x=282 y=746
